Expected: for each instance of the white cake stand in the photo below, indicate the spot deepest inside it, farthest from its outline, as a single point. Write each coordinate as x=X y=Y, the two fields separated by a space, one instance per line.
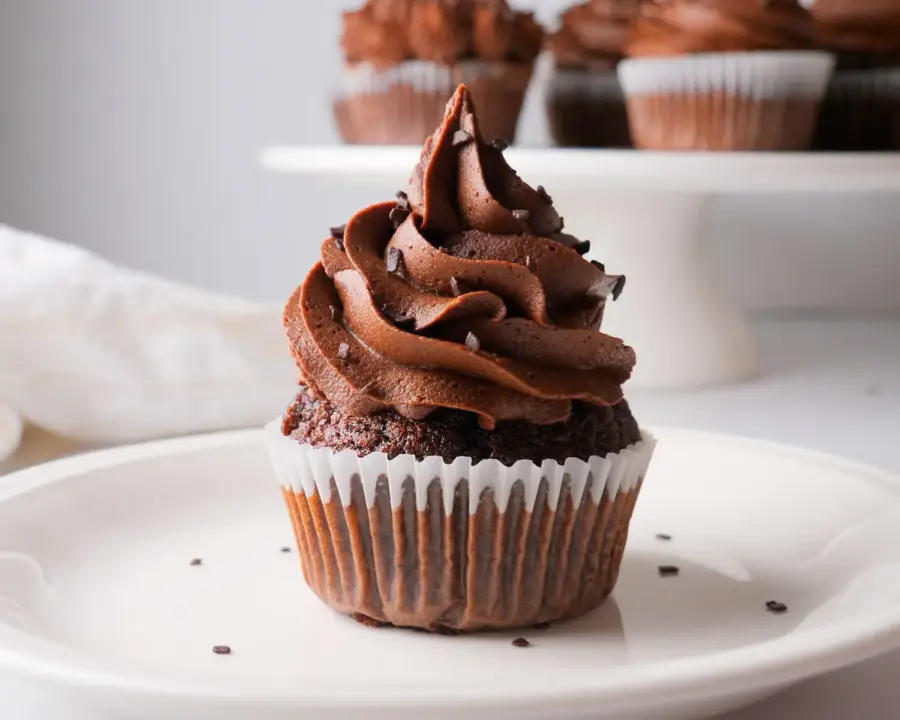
x=642 y=212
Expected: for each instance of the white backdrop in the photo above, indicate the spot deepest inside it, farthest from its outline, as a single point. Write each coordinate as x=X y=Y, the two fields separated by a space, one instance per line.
x=132 y=127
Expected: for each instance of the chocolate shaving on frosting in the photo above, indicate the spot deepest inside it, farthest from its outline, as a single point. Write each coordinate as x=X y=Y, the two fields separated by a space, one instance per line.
x=463 y=250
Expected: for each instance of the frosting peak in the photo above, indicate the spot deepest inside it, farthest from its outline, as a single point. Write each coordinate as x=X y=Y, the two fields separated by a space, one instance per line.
x=677 y=27
x=387 y=32
x=463 y=294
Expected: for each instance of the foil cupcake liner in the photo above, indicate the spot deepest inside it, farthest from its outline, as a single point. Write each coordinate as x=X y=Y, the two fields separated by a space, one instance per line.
x=402 y=105
x=458 y=546
x=861 y=111
x=726 y=101
x=586 y=108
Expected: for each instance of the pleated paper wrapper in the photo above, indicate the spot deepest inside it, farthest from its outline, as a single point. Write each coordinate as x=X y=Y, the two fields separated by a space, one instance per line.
x=403 y=104
x=861 y=111
x=586 y=108
x=726 y=101
x=458 y=547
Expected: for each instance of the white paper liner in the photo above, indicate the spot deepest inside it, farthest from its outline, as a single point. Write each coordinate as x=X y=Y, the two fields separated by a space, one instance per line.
x=425 y=76
x=310 y=471
x=864 y=84
x=600 y=84
x=763 y=75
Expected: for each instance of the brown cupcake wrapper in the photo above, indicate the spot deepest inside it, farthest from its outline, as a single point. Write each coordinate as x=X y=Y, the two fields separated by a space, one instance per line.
x=586 y=108
x=457 y=547
x=725 y=101
x=402 y=105
x=861 y=111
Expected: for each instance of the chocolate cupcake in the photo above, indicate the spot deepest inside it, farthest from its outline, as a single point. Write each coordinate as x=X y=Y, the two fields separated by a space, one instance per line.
x=404 y=58
x=585 y=105
x=460 y=456
x=861 y=110
x=724 y=75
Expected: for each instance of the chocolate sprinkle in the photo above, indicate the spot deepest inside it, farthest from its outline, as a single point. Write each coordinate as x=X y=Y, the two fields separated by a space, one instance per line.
x=599 y=265
x=343 y=351
x=402 y=199
x=663 y=536
x=454 y=287
x=542 y=626
x=583 y=247
x=545 y=196
x=776 y=607
x=461 y=137
x=335 y=312
x=337 y=232
x=221 y=650
x=394 y=257
x=668 y=571
x=521 y=215
x=499 y=144
x=196 y=562
x=521 y=643
x=619 y=287
x=472 y=342
x=285 y=549
x=398 y=216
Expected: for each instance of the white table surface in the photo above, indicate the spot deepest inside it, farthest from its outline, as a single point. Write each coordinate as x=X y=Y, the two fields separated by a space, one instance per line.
x=833 y=386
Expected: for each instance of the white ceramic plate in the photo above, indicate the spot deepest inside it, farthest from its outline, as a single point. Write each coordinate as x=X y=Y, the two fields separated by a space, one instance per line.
x=100 y=605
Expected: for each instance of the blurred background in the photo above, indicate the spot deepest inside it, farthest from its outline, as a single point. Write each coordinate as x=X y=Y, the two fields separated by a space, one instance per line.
x=133 y=129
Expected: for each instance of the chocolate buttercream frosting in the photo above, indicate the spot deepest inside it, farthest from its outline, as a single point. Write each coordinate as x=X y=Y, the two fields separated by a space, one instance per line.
x=387 y=32
x=464 y=294
x=679 y=27
x=867 y=26
x=593 y=34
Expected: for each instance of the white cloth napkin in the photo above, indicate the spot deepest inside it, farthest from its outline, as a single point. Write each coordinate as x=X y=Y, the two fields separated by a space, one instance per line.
x=104 y=354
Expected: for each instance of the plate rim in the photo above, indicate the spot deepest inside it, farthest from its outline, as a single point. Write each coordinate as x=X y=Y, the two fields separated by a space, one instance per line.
x=773 y=663
x=573 y=168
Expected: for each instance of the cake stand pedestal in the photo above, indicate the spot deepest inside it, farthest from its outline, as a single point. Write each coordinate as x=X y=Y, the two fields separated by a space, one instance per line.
x=642 y=212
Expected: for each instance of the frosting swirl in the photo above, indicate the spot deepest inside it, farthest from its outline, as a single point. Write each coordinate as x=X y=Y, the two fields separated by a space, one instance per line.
x=593 y=34
x=866 y=26
x=678 y=27
x=464 y=295
x=387 y=32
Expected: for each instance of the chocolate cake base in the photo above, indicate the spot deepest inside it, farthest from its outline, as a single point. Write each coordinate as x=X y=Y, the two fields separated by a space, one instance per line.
x=591 y=430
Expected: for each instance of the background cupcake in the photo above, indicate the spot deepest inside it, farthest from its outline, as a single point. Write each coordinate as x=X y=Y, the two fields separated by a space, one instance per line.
x=862 y=106
x=585 y=104
x=723 y=75
x=460 y=456
x=404 y=58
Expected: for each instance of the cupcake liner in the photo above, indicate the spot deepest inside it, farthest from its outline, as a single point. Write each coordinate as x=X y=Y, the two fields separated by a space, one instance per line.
x=586 y=108
x=403 y=104
x=861 y=111
x=459 y=547
x=725 y=101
